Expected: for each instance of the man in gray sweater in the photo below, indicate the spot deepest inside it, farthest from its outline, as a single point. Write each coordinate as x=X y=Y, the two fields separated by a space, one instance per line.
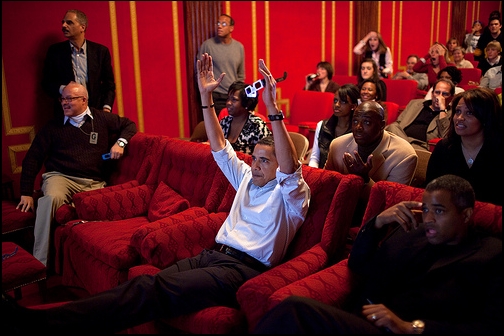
x=228 y=56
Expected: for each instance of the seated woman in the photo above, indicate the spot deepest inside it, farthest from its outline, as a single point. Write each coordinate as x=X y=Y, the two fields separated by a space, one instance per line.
x=433 y=62
x=345 y=101
x=369 y=90
x=369 y=70
x=241 y=127
x=372 y=46
x=472 y=148
x=452 y=73
x=322 y=80
x=459 y=60
x=451 y=44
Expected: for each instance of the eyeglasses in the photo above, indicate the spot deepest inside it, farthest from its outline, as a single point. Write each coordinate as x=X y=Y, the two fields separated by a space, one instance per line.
x=69 y=99
x=223 y=24
x=444 y=94
x=336 y=101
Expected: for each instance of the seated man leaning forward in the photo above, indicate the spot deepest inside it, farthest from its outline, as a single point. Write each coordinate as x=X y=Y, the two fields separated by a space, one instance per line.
x=71 y=149
x=270 y=205
x=378 y=155
x=439 y=277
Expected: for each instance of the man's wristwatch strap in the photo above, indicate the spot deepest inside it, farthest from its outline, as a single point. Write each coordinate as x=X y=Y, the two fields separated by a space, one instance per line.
x=275 y=117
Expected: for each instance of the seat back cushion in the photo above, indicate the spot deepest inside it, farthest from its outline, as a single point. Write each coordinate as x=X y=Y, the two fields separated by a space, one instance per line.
x=114 y=205
x=190 y=170
x=165 y=202
x=384 y=194
x=141 y=161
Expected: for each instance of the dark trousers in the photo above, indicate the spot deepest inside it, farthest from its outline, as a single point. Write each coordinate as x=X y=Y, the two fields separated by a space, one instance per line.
x=208 y=279
x=300 y=315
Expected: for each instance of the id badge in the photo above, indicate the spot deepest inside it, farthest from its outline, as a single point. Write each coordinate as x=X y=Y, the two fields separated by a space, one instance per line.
x=93 y=138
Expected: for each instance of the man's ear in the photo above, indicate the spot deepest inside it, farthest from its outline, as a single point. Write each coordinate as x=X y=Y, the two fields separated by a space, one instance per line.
x=467 y=212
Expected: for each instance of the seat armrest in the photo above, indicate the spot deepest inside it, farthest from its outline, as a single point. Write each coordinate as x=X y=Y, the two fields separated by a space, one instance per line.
x=432 y=144
x=332 y=286
x=172 y=243
x=254 y=294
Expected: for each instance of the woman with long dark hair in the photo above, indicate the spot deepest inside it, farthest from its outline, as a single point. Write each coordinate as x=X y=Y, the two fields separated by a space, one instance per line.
x=472 y=148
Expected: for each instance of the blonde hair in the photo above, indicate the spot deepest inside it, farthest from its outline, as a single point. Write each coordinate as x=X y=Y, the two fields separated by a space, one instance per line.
x=494 y=44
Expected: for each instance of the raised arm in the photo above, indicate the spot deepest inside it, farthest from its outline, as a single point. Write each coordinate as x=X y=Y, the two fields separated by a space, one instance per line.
x=206 y=84
x=284 y=148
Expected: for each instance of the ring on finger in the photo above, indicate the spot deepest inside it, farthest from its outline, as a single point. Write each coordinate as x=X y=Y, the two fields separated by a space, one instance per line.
x=374 y=317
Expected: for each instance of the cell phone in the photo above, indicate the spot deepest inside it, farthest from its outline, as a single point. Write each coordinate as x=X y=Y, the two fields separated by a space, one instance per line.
x=106 y=156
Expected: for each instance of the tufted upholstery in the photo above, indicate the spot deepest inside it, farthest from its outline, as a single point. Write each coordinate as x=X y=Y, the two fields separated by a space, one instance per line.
x=13 y=219
x=130 y=223
x=334 y=284
x=319 y=242
x=19 y=268
x=114 y=205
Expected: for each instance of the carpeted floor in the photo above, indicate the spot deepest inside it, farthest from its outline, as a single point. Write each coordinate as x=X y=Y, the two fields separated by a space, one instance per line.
x=55 y=292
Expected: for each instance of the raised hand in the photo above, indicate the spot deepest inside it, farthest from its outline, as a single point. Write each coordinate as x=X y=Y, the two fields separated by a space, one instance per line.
x=269 y=94
x=206 y=81
x=402 y=213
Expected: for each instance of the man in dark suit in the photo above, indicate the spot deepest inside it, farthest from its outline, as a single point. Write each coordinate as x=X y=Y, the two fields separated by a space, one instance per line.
x=80 y=60
x=441 y=276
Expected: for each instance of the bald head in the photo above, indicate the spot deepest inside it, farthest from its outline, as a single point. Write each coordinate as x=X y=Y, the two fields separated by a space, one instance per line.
x=372 y=105
x=74 y=99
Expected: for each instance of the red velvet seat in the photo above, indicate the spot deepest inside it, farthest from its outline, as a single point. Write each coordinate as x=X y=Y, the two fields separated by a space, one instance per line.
x=344 y=79
x=470 y=74
x=307 y=109
x=470 y=58
x=334 y=284
x=401 y=92
x=20 y=268
x=13 y=219
x=319 y=242
x=392 y=111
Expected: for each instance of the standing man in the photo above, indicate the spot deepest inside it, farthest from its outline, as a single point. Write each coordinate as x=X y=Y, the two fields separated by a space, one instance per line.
x=85 y=62
x=71 y=150
x=228 y=57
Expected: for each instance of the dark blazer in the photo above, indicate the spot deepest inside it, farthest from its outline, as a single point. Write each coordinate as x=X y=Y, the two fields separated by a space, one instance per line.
x=58 y=71
x=453 y=289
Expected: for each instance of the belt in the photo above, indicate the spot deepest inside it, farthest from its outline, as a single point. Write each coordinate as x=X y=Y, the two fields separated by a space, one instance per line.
x=241 y=256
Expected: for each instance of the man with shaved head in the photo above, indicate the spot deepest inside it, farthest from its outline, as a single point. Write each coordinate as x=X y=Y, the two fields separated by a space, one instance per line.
x=370 y=151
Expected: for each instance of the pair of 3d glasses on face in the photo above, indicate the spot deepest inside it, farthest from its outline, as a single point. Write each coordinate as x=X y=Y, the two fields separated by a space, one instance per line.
x=251 y=90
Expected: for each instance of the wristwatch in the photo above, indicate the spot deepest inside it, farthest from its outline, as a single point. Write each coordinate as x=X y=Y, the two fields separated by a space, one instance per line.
x=418 y=326
x=274 y=117
x=121 y=143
